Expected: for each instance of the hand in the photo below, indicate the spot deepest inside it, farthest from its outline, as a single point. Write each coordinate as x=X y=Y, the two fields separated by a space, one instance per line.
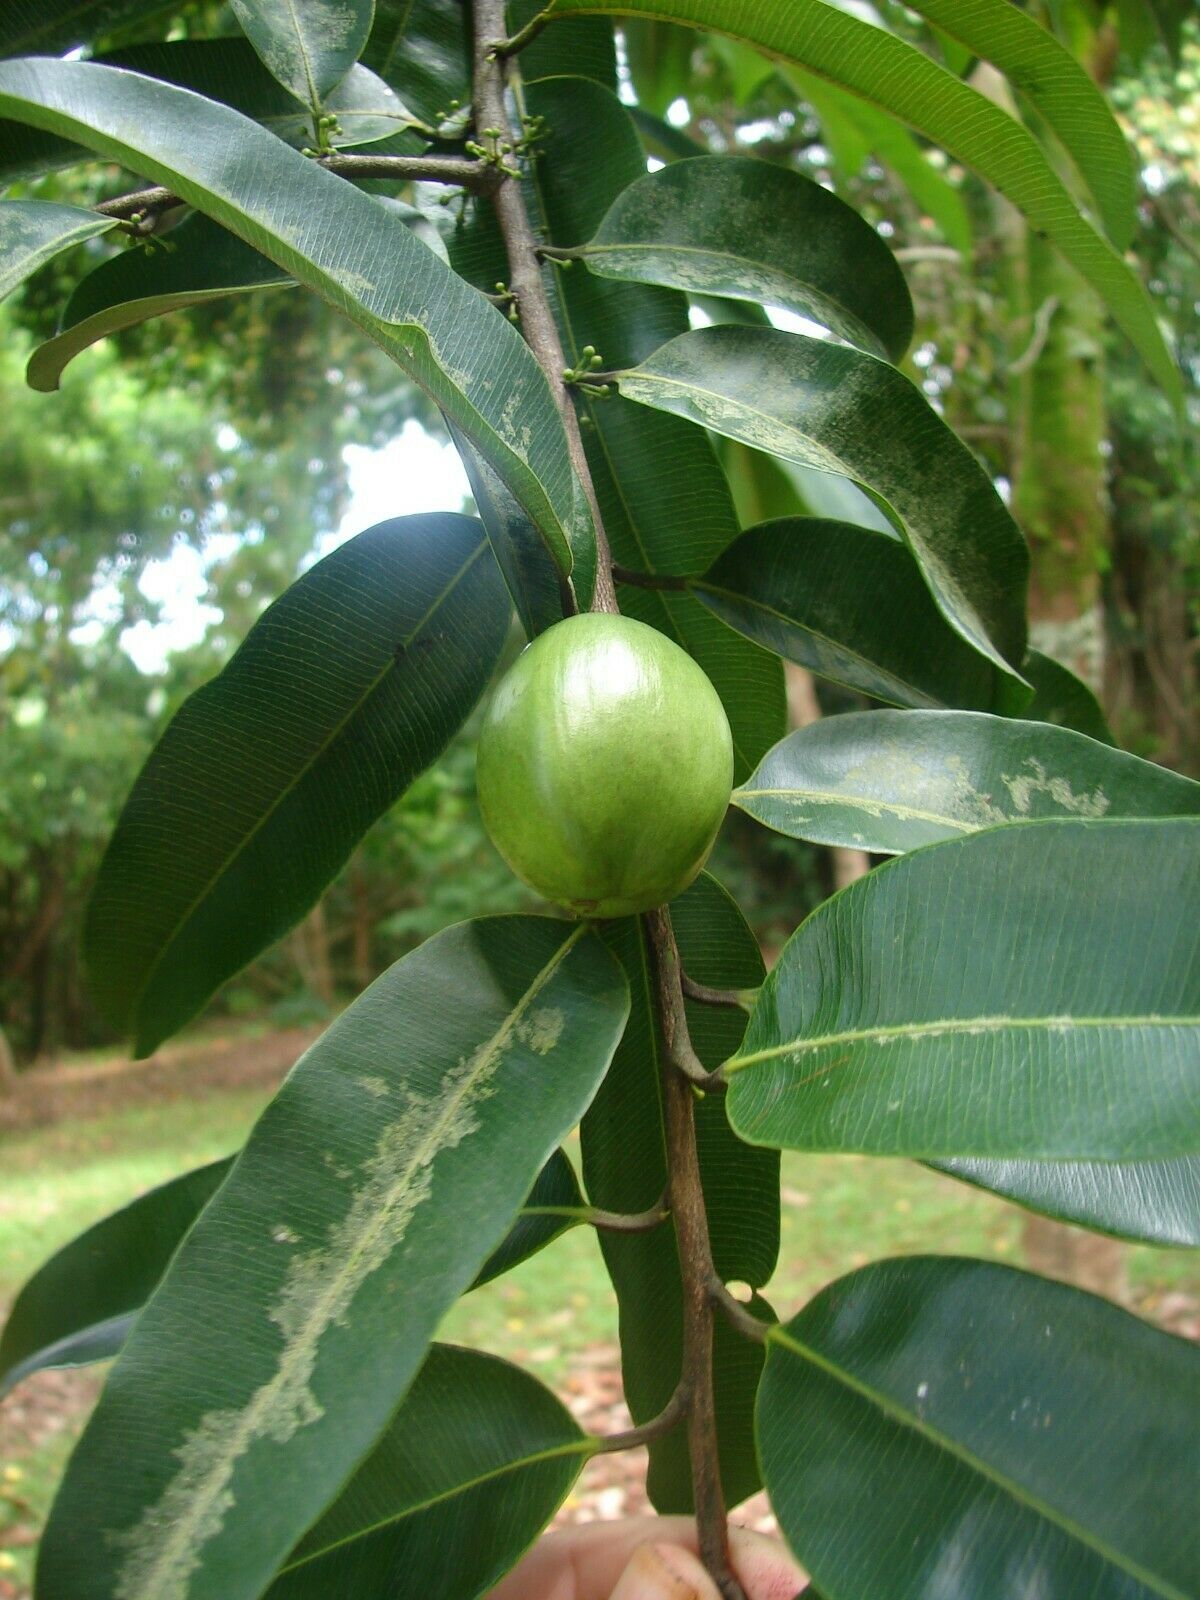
x=645 y=1558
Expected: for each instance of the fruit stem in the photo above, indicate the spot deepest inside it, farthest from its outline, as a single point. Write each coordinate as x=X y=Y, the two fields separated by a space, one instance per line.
x=684 y=1191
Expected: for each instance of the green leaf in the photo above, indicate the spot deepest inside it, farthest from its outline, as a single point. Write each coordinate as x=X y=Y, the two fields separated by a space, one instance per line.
x=889 y=781
x=1062 y=698
x=476 y=1462
x=624 y=1166
x=856 y=129
x=1151 y=1202
x=33 y=232
x=664 y=500
x=265 y=780
x=936 y=1426
x=886 y=71
x=751 y=230
x=307 y=45
x=1060 y=91
x=1032 y=990
x=229 y=72
x=423 y=49
x=337 y=241
x=51 y=27
x=845 y=412
x=542 y=1219
x=204 y=263
x=523 y=560
x=80 y=1306
x=374 y=1187
x=850 y=605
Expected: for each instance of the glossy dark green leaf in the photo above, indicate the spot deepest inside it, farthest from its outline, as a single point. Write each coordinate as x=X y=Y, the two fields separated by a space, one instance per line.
x=307 y=45
x=624 y=1167
x=475 y=1463
x=543 y=1217
x=82 y=1303
x=51 y=27
x=934 y=1426
x=423 y=49
x=664 y=500
x=374 y=1187
x=228 y=71
x=1150 y=1202
x=752 y=230
x=889 y=781
x=267 y=777
x=1062 y=698
x=885 y=70
x=336 y=240
x=1060 y=91
x=845 y=412
x=205 y=262
x=523 y=559
x=1031 y=990
x=850 y=605
x=33 y=232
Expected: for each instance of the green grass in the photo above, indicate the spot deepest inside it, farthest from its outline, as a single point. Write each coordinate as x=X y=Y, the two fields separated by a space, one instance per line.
x=839 y=1212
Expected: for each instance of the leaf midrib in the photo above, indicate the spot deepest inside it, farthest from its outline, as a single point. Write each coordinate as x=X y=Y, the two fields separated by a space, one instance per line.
x=1014 y=1490
x=937 y=1027
x=820 y=796
x=317 y=755
x=318 y=1314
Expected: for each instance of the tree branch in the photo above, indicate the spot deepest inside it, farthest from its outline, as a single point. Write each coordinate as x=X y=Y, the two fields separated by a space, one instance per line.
x=479 y=176
x=686 y=1195
x=525 y=274
x=679 y=1062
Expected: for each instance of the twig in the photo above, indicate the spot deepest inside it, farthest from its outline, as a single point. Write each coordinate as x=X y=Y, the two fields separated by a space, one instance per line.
x=476 y=175
x=1042 y=318
x=671 y=1415
x=686 y=1194
x=525 y=274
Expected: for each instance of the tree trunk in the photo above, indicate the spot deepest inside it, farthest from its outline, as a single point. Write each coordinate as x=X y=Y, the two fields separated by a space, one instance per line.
x=310 y=951
x=803 y=710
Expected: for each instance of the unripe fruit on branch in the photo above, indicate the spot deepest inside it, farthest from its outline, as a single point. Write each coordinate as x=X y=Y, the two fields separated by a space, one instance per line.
x=605 y=766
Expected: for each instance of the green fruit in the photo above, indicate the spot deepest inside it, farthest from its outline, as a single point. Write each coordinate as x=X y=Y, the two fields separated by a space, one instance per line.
x=605 y=766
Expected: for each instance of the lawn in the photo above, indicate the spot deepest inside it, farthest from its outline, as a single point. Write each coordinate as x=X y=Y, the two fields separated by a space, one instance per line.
x=839 y=1212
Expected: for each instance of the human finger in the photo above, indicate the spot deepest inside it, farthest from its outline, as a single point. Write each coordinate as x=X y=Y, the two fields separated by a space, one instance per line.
x=664 y=1572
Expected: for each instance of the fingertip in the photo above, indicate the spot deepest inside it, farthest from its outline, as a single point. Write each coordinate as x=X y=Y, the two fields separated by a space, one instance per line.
x=664 y=1572
x=765 y=1568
